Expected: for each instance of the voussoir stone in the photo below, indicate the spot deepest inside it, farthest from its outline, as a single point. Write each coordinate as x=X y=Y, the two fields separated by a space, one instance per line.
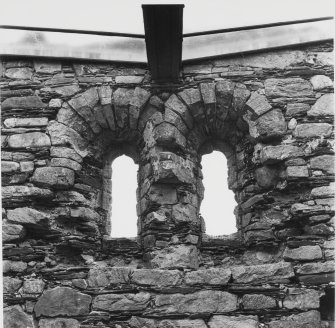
x=29 y=140
x=14 y=317
x=192 y=99
x=202 y=302
x=324 y=106
x=121 y=302
x=62 y=301
x=274 y=272
x=56 y=177
x=242 y=321
x=174 y=104
x=258 y=103
x=224 y=98
x=29 y=102
x=211 y=276
x=59 y=323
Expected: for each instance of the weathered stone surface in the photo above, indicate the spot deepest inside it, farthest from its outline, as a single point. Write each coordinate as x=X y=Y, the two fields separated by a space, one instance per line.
x=179 y=256
x=270 y=125
x=54 y=177
x=22 y=73
x=47 y=67
x=324 y=191
x=241 y=95
x=276 y=272
x=302 y=209
x=24 y=193
x=274 y=154
x=258 y=301
x=66 y=90
x=128 y=79
x=324 y=106
x=65 y=162
x=167 y=134
x=290 y=87
x=309 y=130
x=121 y=302
x=13 y=266
x=203 y=302
x=172 y=168
x=300 y=298
x=28 y=140
x=8 y=167
x=14 y=317
x=61 y=135
x=320 y=82
x=310 y=319
x=64 y=152
x=11 y=285
x=270 y=59
x=267 y=177
x=296 y=109
x=318 y=267
x=27 y=216
x=25 y=122
x=211 y=276
x=324 y=163
x=184 y=213
x=297 y=172
x=303 y=253
x=242 y=321
x=157 y=278
x=33 y=286
x=29 y=102
x=59 y=323
x=62 y=301
x=11 y=232
x=319 y=229
x=104 y=276
x=138 y=322
x=258 y=103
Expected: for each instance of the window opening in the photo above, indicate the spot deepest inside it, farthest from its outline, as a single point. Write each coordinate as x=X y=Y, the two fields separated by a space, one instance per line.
x=217 y=207
x=123 y=211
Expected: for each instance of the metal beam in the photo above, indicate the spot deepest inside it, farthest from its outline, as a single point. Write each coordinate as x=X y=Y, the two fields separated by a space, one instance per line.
x=163 y=26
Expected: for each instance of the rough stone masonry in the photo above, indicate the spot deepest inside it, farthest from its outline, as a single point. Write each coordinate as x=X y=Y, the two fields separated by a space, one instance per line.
x=63 y=124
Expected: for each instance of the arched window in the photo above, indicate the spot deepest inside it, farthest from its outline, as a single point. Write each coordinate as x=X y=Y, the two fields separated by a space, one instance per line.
x=123 y=205
x=217 y=207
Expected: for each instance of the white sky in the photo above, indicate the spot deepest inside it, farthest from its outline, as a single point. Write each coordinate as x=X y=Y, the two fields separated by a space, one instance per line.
x=217 y=207
x=126 y=15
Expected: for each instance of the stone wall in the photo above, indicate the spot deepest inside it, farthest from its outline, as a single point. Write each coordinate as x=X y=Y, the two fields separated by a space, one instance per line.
x=63 y=124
